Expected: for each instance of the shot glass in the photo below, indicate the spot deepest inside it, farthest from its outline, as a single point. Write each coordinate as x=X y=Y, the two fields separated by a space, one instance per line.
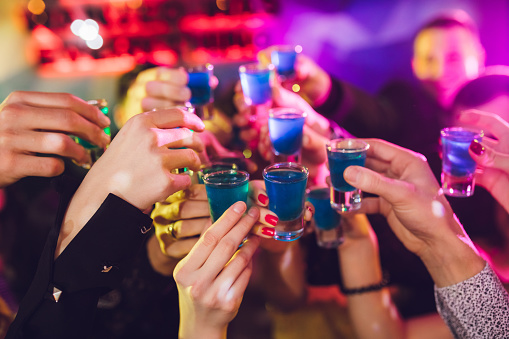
x=458 y=167
x=342 y=153
x=224 y=188
x=256 y=81
x=285 y=130
x=94 y=150
x=326 y=221
x=199 y=84
x=201 y=92
x=286 y=188
x=283 y=58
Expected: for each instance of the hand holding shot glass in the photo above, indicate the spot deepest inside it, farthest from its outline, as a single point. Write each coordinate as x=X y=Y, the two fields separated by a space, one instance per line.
x=342 y=153
x=285 y=130
x=285 y=184
x=458 y=167
x=256 y=81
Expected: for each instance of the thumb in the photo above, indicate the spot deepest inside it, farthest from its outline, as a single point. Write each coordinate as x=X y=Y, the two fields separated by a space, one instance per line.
x=369 y=181
x=488 y=157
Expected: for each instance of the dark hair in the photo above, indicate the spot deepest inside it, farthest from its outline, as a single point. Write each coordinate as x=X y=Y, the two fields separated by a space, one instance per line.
x=454 y=18
x=482 y=90
x=126 y=80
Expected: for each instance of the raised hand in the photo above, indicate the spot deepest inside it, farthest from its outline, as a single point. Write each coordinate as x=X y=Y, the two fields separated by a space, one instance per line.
x=36 y=123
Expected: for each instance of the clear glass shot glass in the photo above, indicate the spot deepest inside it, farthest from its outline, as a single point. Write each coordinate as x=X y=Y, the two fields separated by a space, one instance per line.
x=224 y=188
x=283 y=58
x=256 y=81
x=201 y=91
x=285 y=130
x=286 y=188
x=458 y=167
x=326 y=220
x=342 y=153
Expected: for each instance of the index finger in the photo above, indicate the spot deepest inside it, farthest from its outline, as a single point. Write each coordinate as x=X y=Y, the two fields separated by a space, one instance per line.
x=487 y=121
x=176 y=117
x=60 y=100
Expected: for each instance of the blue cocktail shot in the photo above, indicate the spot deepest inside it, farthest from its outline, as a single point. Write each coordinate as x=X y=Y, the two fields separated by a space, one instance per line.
x=224 y=188
x=215 y=166
x=256 y=81
x=286 y=188
x=285 y=130
x=342 y=153
x=199 y=84
x=458 y=167
x=326 y=220
x=283 y=58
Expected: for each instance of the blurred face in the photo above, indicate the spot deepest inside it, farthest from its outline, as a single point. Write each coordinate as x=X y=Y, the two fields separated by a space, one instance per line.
x=445 y=58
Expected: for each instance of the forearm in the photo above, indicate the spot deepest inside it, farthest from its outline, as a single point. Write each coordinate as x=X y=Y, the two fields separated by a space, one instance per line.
x=283 y=277
x=372 y=313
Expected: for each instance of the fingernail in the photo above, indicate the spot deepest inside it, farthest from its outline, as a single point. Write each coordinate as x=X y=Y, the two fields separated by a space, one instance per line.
x=239 y=207
x=271 y=219
x=253 y=212
x=105 y=121
x=269 y=231
x=476 y=147
x=263 y=198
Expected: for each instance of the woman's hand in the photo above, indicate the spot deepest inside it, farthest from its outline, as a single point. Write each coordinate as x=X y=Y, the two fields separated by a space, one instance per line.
x=212 y=278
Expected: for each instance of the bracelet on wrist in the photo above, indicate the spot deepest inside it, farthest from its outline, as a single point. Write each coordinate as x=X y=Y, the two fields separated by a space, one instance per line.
x=369 y=288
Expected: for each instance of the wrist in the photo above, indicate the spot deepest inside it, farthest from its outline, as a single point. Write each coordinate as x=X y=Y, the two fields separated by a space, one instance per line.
x=199 y=331
x=452 y=258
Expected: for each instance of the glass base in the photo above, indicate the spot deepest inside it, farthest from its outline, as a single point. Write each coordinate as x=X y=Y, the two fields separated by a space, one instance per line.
x=329 y=238
x=458 y=186
x=289 y=230
x=345 y=201
x=205 y=112
x=286 y=158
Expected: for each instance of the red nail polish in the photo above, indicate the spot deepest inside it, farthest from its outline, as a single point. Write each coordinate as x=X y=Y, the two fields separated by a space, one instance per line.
x=268 y=231
x=476 y=147
x=263 y=198
x=271 y=219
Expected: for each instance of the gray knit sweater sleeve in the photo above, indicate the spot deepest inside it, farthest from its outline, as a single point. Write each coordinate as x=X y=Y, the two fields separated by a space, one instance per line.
x=475 y=308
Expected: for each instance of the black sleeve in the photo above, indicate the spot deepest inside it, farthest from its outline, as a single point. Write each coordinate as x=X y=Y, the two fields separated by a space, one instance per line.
x=94 y=262
x=361 y=114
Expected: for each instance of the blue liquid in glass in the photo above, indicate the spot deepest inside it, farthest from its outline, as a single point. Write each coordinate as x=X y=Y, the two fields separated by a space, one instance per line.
x=284 y=61
x=199 y=84
x=325 y=217
x=286 y=133
x=222 y=196
x=286 y=191
x=338 y=162
x=455 y=158
x=256 y=86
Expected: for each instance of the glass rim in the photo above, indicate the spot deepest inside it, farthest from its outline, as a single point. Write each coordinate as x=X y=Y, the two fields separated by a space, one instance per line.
x=478 y=132
x=232 y=171
x=287 y=48
x=208 y=67
x=364 y=148
x=285 y=165
x=281 y=110
x=255 y=66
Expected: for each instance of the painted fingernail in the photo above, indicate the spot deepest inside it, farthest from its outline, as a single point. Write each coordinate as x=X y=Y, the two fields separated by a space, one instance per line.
x=271 y=219
x=269 y=231
x=263 y=198
x=476 y=147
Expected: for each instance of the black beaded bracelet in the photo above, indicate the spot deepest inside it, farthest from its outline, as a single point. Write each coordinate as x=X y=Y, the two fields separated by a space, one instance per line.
x=364 y=289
